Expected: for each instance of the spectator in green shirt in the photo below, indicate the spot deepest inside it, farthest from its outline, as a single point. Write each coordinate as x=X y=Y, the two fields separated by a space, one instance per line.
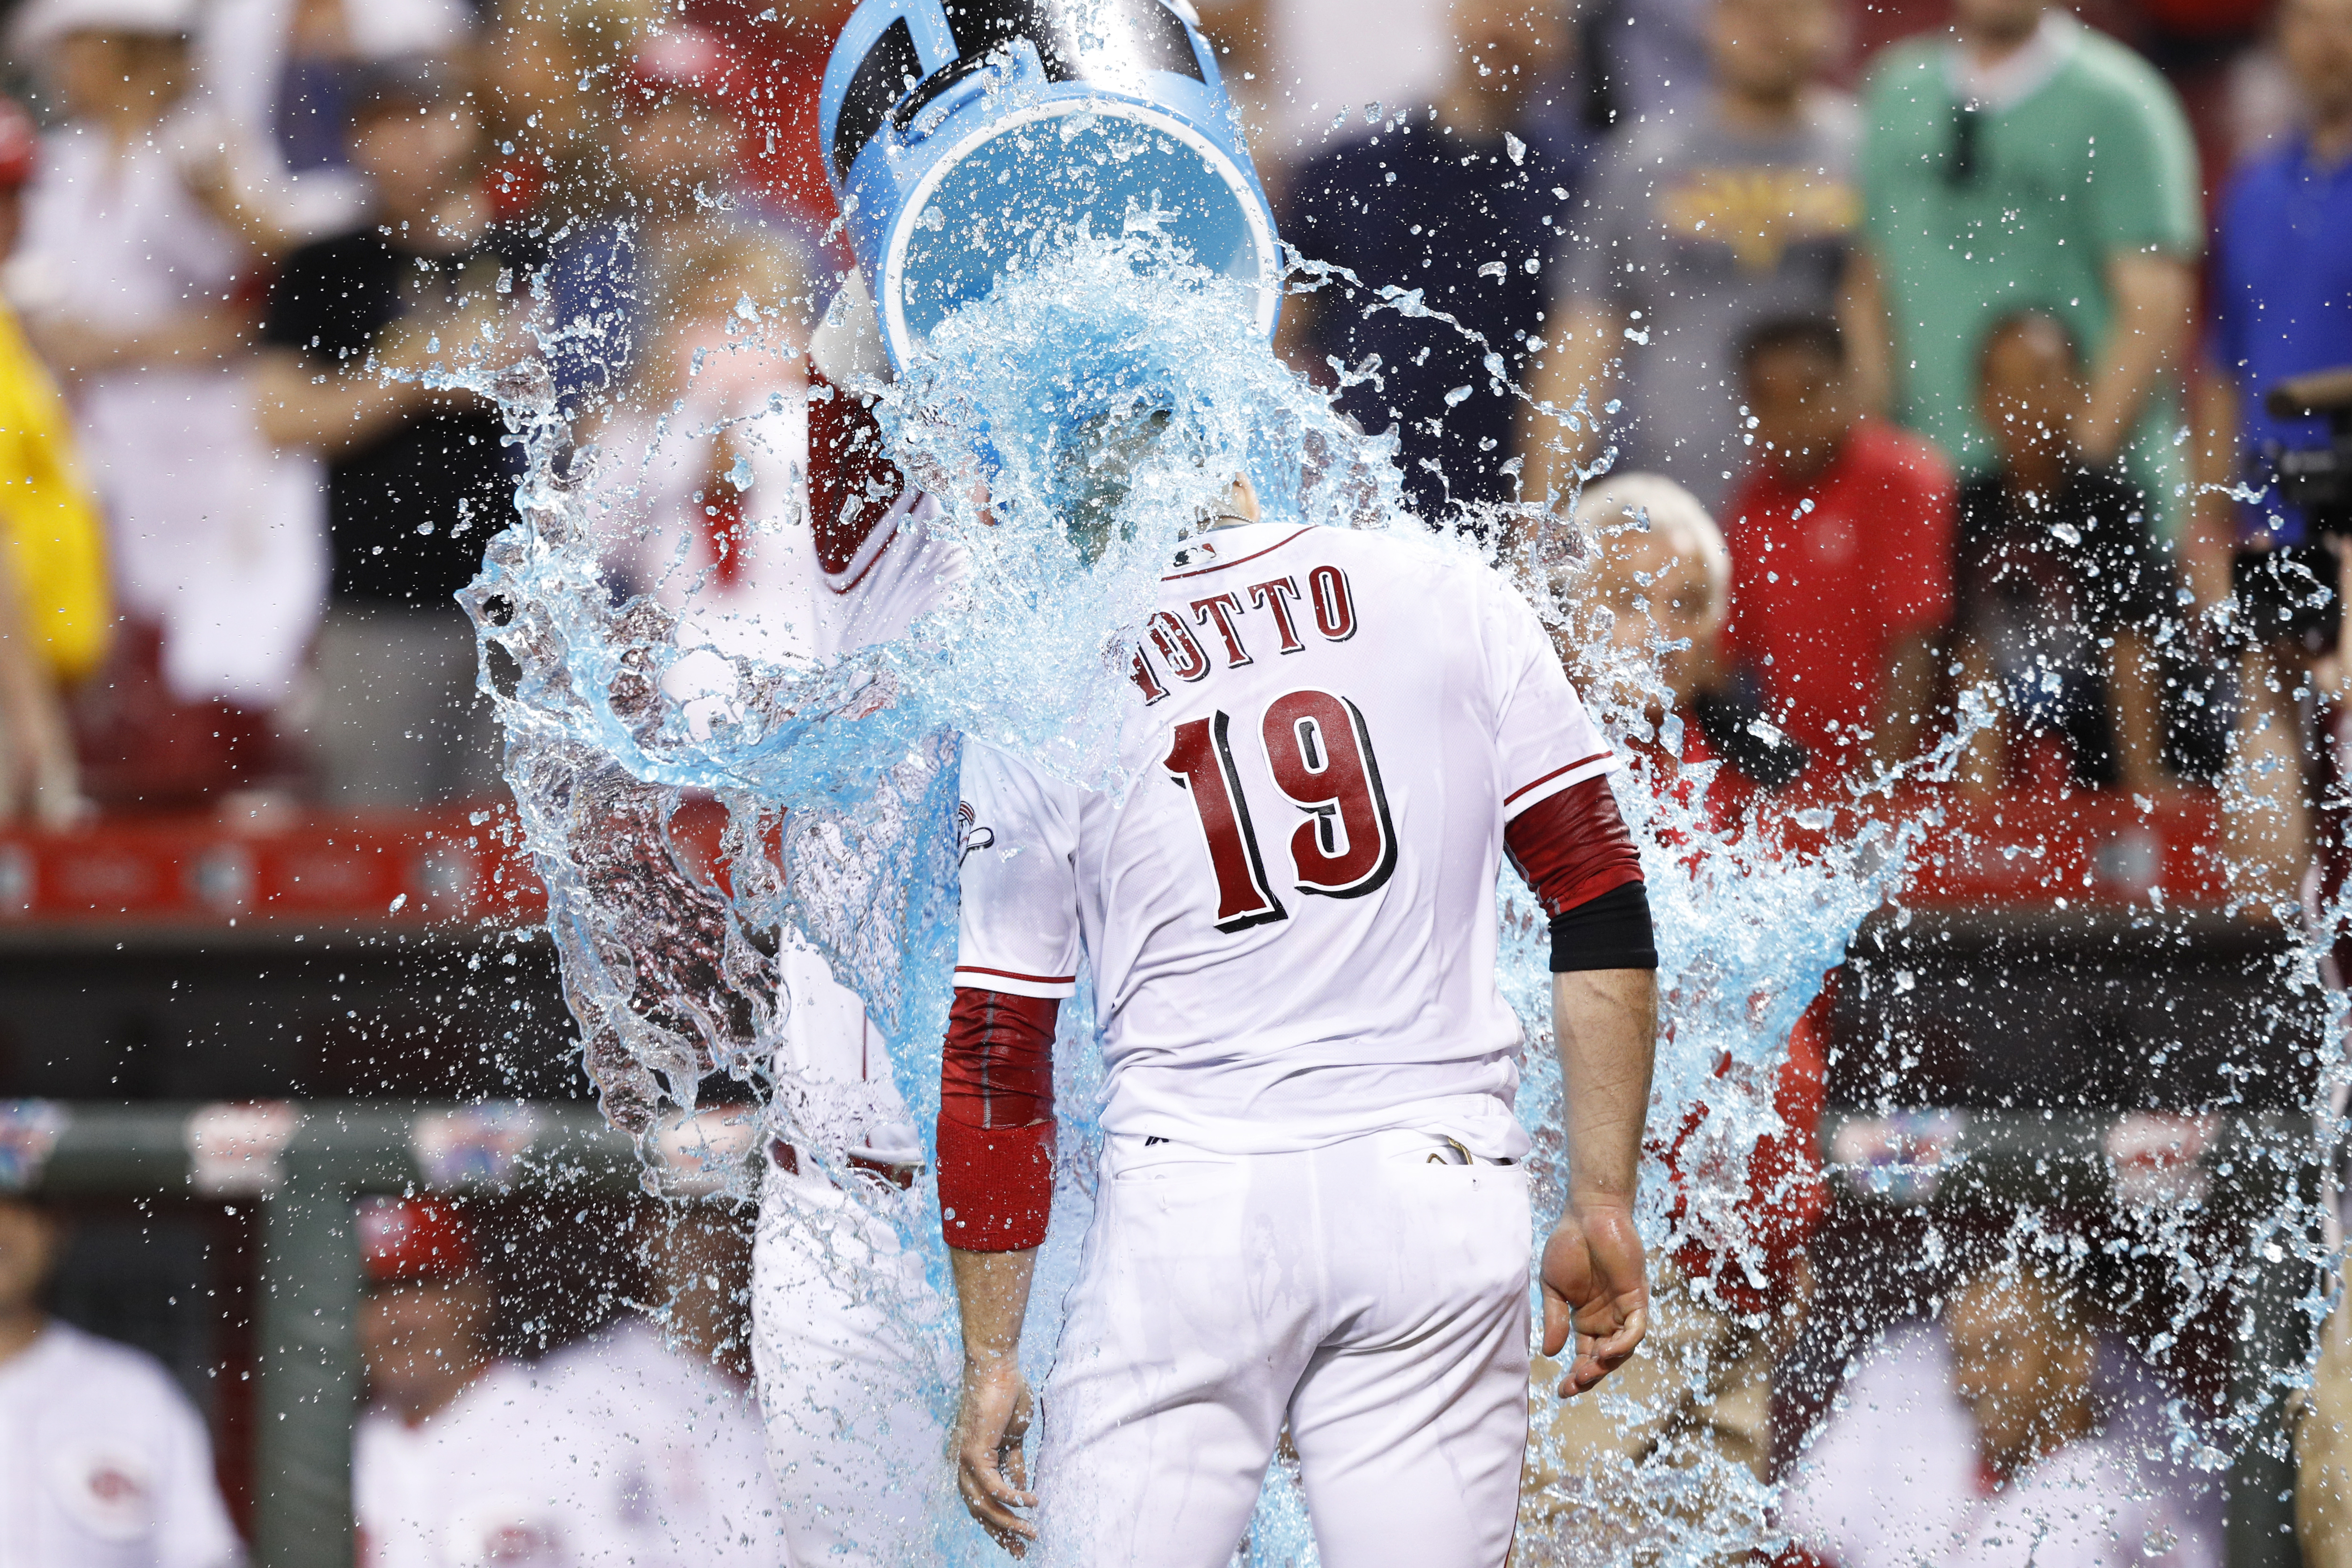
x=2029 y=162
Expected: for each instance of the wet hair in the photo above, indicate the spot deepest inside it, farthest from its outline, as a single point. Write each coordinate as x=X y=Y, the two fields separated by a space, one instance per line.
x=1815 y=332
x=2034 y=318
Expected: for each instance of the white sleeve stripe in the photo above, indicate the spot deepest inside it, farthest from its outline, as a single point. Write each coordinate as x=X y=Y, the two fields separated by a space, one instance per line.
x=1010 y=985
x=1544 y=788
x=1606 y=758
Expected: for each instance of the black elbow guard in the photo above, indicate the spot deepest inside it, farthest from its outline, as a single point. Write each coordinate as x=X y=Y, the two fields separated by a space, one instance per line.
x=1611 y=931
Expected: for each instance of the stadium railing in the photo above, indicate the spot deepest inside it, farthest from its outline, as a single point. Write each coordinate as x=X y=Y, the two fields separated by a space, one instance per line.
x=2061 y=1012
x=2058 y=1009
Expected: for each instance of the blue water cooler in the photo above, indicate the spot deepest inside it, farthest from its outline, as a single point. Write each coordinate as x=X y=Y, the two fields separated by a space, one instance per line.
x=961 y=134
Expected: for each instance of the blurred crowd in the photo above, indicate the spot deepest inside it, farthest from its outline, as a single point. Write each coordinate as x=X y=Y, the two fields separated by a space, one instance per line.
x=264 y=260
x=1968 y=366
x=1910 y=371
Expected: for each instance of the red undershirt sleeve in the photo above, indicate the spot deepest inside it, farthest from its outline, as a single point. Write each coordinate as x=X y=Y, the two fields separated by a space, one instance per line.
x=1573 y=846
x=996 y=1120
x=1574 y=850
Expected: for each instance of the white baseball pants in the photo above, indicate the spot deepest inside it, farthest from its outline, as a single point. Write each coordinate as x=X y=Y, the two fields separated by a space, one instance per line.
x=1372 y=1294
x=857 y=1449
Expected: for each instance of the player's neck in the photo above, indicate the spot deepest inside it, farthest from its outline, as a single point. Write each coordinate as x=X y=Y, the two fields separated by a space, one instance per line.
x=2069 y=1421
x=1475 y=108
x=709 y=1342
x=1811 y=466
x=2041 y=472
x=427 y=1398
x=18 y=1329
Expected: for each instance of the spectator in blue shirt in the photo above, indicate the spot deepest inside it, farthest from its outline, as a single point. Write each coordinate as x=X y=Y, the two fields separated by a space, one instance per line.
x=2283 y=273
x=1459 y=201
x=2282 y=307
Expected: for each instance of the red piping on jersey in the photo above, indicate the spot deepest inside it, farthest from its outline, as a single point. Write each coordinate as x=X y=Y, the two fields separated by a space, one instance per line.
x=1252 y=555
x=848 y=461
x=996 y=1120
x=1572 y=846
x=1016 y=974
x=1538 y=783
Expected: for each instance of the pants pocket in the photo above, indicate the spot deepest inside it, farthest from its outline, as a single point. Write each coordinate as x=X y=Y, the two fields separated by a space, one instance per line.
x=1134 y=1160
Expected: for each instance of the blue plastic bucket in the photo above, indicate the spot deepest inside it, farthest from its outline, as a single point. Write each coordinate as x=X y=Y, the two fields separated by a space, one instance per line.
x=959 y=135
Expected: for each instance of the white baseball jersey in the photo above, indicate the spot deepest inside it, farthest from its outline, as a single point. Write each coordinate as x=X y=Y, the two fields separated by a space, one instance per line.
x=1899 y=1430
x=484 y=1480
x=103 y=1463
x=1291 y=910
x=834 y=1068
x=664 y=1455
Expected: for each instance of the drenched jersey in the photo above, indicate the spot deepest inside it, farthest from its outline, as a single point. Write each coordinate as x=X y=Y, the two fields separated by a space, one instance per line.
x=1289 y=913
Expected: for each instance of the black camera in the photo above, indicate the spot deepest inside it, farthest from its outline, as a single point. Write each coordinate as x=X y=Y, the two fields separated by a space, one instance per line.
x=2289 y=594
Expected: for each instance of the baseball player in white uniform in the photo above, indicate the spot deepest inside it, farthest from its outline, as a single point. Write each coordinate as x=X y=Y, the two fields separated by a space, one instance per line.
x=1310 y=1211
x=104 y=1462
x=663 y=1454
x=851 y=1439
x=456 y=1462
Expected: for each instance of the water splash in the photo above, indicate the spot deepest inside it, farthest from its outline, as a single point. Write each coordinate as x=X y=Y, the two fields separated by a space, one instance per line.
x=1071 y=430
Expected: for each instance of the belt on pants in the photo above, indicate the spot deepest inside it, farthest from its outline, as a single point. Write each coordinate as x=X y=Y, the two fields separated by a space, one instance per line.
x=787 y=1159
x=1442 y=1150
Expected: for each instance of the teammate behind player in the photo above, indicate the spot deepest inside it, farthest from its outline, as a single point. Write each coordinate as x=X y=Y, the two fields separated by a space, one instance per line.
x=107 y=1462
x=852 y=1439
x=454 y=1461
x=1311 y=1209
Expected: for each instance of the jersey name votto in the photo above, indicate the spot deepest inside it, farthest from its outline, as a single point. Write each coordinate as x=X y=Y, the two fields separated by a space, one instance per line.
x=1275 y=616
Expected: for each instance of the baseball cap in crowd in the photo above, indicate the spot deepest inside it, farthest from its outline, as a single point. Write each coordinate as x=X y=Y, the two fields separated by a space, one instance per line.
x=43 y=22
x=404 y=1239
x=687 y=59
x=20 y=144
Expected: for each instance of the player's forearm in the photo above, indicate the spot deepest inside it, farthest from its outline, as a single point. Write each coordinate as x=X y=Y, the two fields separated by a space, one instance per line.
x=2206 y=550
x=992 y=1299
x=193 y=338
x=295 y=403
x=2153 y=296
x=1985 y=762
x=1606 y=1023
x=37 y=761
x=1906 y=691
x=1294 y=339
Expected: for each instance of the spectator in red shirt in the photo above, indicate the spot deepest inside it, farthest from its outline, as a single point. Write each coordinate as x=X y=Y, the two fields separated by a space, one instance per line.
x=1842 y=538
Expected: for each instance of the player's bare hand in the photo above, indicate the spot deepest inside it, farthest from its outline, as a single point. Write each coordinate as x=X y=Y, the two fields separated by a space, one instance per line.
x=991 y=1471
x=1595 y=1286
